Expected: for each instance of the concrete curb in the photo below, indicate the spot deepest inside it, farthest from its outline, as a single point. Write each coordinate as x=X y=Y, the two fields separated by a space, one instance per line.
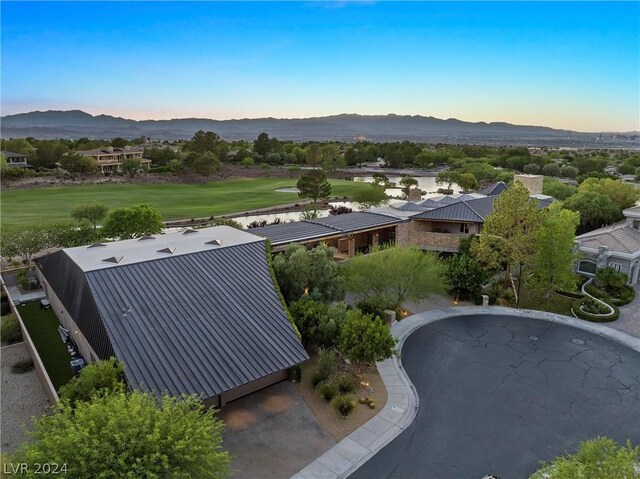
x=348 y=455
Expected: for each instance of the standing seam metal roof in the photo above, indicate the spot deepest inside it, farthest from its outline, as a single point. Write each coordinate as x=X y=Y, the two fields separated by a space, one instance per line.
x=199 y=323
x=350 y=222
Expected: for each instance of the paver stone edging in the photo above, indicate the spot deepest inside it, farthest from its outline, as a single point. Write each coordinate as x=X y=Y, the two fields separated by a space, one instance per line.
x=402 y=404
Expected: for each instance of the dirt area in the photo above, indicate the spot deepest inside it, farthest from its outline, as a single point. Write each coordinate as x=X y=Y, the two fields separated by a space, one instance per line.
x=22 y=398
x=227 y=172
x=324 y=413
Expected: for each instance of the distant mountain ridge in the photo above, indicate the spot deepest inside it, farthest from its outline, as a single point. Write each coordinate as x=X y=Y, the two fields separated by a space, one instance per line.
x=77 y=124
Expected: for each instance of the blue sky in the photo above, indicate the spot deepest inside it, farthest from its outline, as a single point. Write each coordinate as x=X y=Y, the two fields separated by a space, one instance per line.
x=566 y=65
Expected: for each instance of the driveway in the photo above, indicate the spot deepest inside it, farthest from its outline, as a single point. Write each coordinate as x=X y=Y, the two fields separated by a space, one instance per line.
x=629 y=320
x=272 y=433
x=499 y=394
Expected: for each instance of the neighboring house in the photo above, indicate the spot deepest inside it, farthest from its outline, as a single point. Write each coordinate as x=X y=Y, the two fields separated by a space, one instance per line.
x=110 y=159
x=16 y=160
x=187 y=313
x=617 y=246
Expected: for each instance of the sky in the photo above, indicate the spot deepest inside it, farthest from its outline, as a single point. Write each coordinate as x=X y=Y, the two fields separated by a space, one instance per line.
x=567 y=65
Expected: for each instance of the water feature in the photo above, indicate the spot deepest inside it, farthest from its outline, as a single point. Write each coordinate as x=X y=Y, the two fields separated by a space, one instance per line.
x=425 y=183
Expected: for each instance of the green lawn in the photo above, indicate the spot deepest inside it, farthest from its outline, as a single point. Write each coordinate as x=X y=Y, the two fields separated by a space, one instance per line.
x=43 y=329
x=532 y=299
x=175 y=201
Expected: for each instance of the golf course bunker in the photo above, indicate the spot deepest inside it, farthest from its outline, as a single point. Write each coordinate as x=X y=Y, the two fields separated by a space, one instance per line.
x=288 y=189
x=500 y=393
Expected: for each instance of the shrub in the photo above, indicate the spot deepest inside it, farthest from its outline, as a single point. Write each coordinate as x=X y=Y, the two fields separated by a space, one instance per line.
x=346 y=383
x=365 y=340
x=10 y=330
x=94 y=379
x=343 y=405
x=295 y=374
x=610 y=280
x=327 y=391
x=373 y=307
x=577 y=310
x=317 y=378
x=326 y=362
x=22 y=367
x=594 y=307
x=22 y=279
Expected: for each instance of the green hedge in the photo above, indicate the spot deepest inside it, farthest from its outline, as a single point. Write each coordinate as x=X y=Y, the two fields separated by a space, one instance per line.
x=592 y=317
x=625 y=296
x=569 y=294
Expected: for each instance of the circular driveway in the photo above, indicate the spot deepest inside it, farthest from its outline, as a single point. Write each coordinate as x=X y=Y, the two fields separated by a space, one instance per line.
x=498 y=394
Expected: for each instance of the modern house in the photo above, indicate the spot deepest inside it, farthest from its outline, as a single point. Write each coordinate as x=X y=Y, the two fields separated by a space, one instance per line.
x=195 y=312
x=111 y=159
x=617 y=245
x=16 y=160
x=436 y=224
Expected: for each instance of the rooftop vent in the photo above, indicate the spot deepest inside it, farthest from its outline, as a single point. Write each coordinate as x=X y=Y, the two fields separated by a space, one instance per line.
x=166 y=250
x=96 y=245
x=214 y=242
x=113 y=259
x=146 y=237
x=188 y=231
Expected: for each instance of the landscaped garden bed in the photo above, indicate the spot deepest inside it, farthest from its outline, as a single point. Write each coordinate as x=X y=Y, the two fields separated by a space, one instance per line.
x=42 y=326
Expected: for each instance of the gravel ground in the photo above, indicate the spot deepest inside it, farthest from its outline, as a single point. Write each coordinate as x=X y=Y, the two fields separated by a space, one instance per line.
x=22 y=398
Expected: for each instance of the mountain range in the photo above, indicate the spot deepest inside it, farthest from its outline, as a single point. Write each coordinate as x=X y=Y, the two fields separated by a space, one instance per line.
x=344 y=127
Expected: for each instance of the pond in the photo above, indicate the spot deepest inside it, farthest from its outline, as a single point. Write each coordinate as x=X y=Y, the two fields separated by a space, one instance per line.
x=425 y=183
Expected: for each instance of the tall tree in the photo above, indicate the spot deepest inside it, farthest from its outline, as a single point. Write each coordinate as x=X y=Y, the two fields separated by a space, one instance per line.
x=263 y=145
x=596 y=209
x=314 y=185
x=447 y=177
x=131 y=166
x=394 y=275
x=300 y=272
x=623 y=195
x=365 y=339
x=203 y=141
x=92 y=212
x=206 y=164
x=507 y=233
x=127 y=223
x=370 y=196
x=407 y=182
x=129 y=435
x=554 y=249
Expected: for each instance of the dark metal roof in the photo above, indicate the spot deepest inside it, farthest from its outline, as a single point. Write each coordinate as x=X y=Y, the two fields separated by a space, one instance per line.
x=495 y=189
x=69 y=284
x=355 y=221
x=410 y=206
x=292 y=232
x=204 y=323
x=472 y=211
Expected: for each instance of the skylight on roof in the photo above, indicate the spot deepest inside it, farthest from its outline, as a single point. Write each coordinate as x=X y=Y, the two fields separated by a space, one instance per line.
x=167 y=250
x=188 y=231
x=146 y=237
x=113 y=259
x=214 y=242
x=96 y=245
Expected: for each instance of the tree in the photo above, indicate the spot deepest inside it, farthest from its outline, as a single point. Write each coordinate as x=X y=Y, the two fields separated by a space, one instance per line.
x=380 y=179
x=600 y=457
x=93 y=212
x=467 y=181
x=247 y=162
x=206 y=164
x=131 y=166
x=24 y=241
x=464 y=276
x=554 y=249
x=394 y=275
x=596 y=209
x=318 y=323
x=127 y=223
x=76 y=163
x=369 y=196
x=203 y=141
x=569 y=171
x=129 y=435
x=623 y=195
x=407 y=182
x=551 y=169
x=508 y=230
x=365 y=339
x=118 y=142
x=447 y=177
x=314 y=185
x=557 y=189
x=263 y=144
x=531 y=168
x=96 y=378
x=300 y=271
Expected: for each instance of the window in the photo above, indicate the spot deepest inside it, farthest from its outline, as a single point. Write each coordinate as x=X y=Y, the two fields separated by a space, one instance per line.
x=464 y=228
x=616 y=266
x=588 y=267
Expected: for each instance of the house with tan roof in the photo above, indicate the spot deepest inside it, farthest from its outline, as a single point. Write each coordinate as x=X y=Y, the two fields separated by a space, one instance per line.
x=617 y=245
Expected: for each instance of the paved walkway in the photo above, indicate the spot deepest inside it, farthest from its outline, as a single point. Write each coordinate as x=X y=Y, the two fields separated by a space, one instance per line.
x=402 y=407
x=629 y=320
x=272 y=433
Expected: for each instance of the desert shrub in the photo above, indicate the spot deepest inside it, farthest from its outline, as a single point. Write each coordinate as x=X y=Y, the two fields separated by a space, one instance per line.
x=326 y=362
x=373 y=307
x=317 y=378
x=318 y=323
x=343 y=405
x=345 y=383
x=22 y=367
x=22 y=279
x=365 y=339
x=339 y=210
x=10 y=330
x=327 y=391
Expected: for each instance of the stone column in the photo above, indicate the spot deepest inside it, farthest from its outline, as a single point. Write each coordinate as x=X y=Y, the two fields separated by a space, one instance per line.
x=351 y=246
x=375 y=239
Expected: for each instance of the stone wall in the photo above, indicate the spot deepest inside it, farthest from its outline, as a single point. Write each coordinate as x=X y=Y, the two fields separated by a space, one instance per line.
x=533 y=183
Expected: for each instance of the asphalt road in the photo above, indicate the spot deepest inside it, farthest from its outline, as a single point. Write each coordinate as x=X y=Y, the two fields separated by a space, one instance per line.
x=498 y=394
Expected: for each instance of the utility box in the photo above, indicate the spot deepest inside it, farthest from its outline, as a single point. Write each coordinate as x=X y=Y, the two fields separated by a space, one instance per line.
x=485 y=300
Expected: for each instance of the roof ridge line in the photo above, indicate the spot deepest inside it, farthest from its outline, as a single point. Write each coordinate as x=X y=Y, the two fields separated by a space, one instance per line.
x=471 y=208
x=319 y=224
